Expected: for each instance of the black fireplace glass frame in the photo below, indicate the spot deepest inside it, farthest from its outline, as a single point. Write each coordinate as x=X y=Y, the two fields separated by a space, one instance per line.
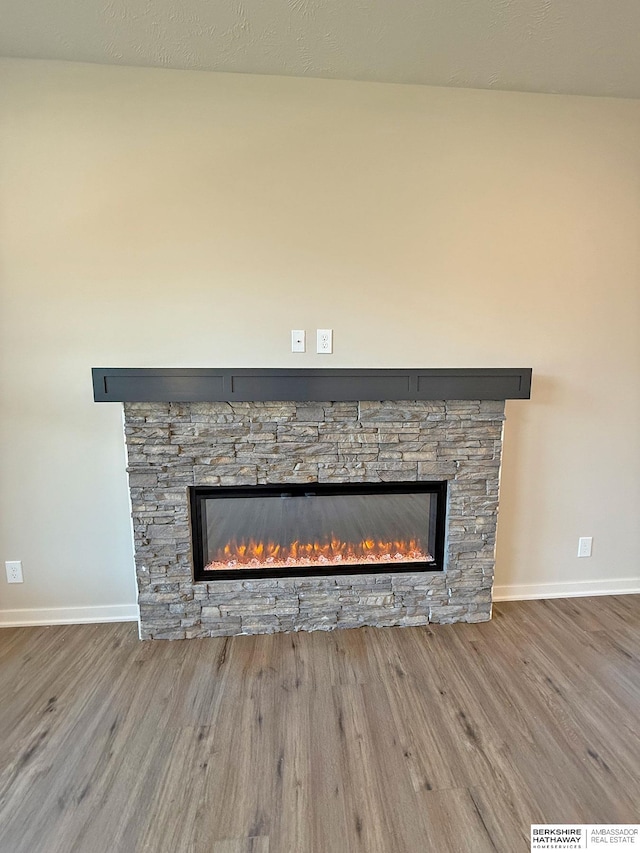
x=199 y=494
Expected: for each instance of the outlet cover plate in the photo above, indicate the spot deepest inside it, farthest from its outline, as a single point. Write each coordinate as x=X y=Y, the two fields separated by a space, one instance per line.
x=324 y=340
x=584 y=546
x=14 y=571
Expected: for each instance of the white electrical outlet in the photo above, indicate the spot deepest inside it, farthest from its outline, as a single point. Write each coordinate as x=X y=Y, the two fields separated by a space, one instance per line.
x=584 y=546
x=325 y=340
x=14 y=571
x=297 y=340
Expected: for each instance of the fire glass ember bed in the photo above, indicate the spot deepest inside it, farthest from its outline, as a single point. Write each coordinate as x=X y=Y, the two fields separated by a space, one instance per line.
x=316 y=529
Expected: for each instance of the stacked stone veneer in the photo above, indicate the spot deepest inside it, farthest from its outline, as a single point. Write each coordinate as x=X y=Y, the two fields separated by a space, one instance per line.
x=175 y=445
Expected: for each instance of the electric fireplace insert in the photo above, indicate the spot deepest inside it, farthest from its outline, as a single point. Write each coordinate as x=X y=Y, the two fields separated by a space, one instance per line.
x=314 y=529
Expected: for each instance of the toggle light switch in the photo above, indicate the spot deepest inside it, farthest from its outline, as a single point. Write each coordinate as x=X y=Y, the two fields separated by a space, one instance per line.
x=297 y=340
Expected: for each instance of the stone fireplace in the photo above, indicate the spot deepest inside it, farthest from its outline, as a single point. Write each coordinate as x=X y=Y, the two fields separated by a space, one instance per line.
x=173 y=447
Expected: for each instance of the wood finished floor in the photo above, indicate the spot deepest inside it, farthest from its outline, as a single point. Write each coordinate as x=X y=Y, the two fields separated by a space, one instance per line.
x=394 y=740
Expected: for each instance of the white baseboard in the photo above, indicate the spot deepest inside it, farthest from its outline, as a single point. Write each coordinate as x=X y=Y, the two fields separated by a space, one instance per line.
x=129 y=612
x=68 y=615
x=567 y=589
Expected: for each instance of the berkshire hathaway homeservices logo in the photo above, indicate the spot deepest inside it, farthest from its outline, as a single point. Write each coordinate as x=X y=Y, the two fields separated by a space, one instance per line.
x=558 y=837
x=567 y=836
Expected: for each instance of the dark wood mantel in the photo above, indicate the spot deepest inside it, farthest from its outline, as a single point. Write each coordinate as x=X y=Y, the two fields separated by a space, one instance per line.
x=195 y=385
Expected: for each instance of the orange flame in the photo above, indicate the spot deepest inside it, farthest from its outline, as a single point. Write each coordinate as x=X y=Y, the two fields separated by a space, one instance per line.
x=257 y=554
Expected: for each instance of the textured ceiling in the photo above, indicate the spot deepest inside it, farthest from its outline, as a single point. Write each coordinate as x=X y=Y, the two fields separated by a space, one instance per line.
x=589 y=47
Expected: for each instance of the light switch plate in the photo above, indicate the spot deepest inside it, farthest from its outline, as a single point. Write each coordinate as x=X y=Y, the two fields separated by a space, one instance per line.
x=298 y=340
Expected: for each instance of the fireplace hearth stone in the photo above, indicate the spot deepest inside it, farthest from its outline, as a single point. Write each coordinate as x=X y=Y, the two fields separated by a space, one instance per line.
x=172 y=446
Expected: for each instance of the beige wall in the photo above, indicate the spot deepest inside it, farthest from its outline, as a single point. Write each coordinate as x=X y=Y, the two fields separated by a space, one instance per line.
x=161 y=218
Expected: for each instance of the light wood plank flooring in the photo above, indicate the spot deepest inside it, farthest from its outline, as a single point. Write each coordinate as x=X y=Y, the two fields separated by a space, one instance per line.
x=393 y=740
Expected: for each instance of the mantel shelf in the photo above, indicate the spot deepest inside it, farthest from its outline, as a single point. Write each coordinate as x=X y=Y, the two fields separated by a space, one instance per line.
x=197 y=385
